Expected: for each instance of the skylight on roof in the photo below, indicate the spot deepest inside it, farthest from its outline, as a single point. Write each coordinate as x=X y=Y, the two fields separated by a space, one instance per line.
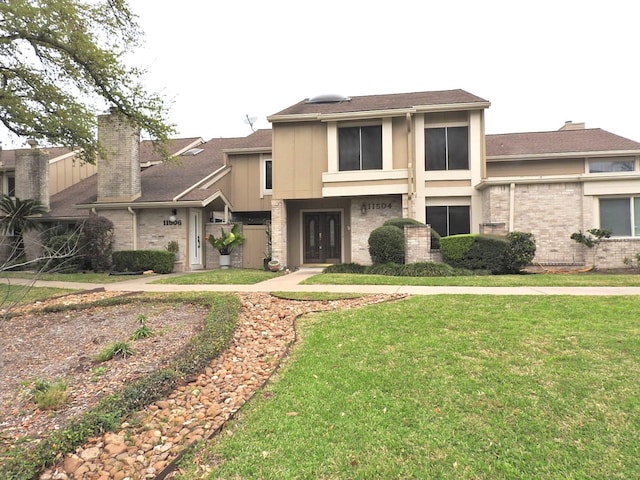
x=328 y=98
x=192 y=152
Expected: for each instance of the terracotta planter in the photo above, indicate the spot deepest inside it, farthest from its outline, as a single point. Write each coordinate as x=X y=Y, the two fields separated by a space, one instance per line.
x=274 y=265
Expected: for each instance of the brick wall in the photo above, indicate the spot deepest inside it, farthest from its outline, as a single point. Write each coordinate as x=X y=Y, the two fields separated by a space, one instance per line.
x=363 y=223
x=417 y=243
x=552 y=212
x=612 y=253
x=123 y=228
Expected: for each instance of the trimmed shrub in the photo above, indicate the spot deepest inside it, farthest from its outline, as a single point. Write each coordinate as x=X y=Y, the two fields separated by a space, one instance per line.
x=519 y=252
x=386 y=245
x=486 y=253
x=345 y=268
x=401 y=222
x=455 y=247
x=160 y=261
x=435 y=240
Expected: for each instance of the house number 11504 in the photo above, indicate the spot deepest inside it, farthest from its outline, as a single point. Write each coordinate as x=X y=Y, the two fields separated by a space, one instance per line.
x=377 y=206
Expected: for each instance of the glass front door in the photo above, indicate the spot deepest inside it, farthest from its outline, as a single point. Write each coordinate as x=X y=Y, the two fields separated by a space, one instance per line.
x=322 y=237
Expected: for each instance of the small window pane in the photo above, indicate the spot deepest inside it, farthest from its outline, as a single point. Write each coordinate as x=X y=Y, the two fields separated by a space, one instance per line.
x=435 y=149
x=371 y=148
x=459 y=221
x=349 y=149
x=615 y=215
x=268 y=175
x=458 y=148
x=11 y=186
x=437 y=218
x=611 y=166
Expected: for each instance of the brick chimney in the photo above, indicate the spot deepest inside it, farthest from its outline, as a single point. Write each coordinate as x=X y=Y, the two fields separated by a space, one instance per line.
x=569 y=125
x=32 y=174
x=119 y=171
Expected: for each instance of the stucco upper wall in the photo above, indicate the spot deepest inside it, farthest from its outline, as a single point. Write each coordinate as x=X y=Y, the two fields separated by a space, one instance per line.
x=247 y=176
x=299 y=159
x=523 y=168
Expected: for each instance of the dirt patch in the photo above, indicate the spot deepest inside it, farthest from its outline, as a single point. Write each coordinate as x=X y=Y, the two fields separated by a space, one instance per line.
x=63 y=346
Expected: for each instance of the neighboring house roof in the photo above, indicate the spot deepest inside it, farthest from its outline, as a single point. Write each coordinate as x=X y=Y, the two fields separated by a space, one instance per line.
x=178 y=179
x=8 y=157
x=562 y=142
x=382 y=102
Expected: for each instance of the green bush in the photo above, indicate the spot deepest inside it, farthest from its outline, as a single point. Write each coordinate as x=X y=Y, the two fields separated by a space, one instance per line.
x=497 y=254
x=435 y=240
x=520 y=251
x=386 y=245
x=455 y=247
x=61 y=254
x=486 y=253
x=401 y=222
x=96 y=243
x=345 y=268
x=160 y=261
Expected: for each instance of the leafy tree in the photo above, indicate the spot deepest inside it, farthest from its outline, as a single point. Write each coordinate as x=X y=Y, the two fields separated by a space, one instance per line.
x=18 y=219
x=62 y=62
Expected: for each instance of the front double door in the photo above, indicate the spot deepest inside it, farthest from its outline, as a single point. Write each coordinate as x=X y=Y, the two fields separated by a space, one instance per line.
x=322 y=237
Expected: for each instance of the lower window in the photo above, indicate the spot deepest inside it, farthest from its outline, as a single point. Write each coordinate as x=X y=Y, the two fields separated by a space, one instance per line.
x=621 y=216
x=449 y=220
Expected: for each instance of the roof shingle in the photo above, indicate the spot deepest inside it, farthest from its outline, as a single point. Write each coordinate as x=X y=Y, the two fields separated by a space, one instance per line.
x=561 y=141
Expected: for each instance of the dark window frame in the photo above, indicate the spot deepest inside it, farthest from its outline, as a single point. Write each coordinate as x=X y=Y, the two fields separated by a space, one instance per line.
x=360 y=148
x=449 y=219
x=446 y=148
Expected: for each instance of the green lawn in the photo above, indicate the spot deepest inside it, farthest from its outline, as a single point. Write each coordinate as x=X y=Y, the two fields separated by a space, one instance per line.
x=464 y=387
x=533 y=280
x=232 y=276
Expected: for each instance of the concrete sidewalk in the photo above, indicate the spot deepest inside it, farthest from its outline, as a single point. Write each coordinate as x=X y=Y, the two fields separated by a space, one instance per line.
x=291 y=283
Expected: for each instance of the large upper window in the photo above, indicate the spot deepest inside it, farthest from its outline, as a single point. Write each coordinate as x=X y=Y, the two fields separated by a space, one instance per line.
x=360 y=148
x=606 y=166
x=447 y=148
x=621 y=216
x=449 y=220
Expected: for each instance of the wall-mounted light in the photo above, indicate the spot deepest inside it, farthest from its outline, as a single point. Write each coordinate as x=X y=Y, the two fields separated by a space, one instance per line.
x=174 y=212
x=363 y=209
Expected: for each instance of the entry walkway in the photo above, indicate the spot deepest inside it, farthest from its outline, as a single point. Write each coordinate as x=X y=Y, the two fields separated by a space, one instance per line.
x=291 y=283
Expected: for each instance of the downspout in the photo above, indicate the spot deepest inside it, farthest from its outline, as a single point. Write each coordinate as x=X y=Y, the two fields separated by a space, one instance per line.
x=411 y=179
x=512 y=205
x=134 y=225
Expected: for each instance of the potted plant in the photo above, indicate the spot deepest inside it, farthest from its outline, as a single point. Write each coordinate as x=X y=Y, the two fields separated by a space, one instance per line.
x=273 y=265
x=174 y=248
x=268 y=251
x=226 y=242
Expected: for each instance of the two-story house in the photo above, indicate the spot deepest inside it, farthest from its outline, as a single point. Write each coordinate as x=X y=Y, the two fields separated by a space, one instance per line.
x=344 y=165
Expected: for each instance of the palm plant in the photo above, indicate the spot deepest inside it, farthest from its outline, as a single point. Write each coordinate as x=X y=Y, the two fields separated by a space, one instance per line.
x=18 y=219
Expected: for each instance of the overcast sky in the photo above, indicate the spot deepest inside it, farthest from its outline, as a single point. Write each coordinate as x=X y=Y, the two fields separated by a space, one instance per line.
x=539 y=63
